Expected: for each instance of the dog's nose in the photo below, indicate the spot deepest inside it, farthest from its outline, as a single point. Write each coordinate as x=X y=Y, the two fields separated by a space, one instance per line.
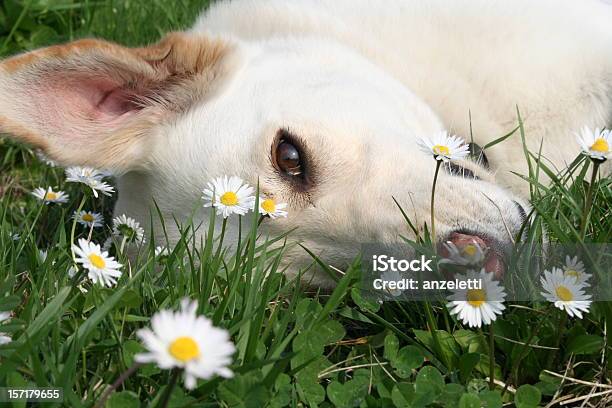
x=521 y=211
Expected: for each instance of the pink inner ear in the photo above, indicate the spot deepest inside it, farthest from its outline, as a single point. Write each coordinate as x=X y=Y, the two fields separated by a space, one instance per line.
x=78 y=108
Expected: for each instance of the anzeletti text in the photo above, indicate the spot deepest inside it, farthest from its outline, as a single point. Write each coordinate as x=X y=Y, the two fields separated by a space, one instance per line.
x=415 y=284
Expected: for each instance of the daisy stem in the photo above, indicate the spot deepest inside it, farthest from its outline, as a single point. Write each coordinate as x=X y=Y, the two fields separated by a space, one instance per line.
x=589 y=200
x=491 y=357
x=165 y=398
x=123 y=242
x=78 y=274
x=515 y=367
x=553 y=353
x=221 y=237
x=433 y=194
x=124 y=376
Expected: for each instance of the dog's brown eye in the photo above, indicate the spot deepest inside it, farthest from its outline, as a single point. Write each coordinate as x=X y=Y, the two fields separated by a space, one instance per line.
x=288 y=158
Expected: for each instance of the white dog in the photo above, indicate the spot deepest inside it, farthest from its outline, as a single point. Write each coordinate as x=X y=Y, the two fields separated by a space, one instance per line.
x=322 y=101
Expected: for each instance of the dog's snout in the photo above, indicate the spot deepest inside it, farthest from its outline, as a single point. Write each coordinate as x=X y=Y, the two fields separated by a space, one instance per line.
x=521 y=210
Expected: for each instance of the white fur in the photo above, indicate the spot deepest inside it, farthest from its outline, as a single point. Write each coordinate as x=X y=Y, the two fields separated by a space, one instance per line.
x=359 y=81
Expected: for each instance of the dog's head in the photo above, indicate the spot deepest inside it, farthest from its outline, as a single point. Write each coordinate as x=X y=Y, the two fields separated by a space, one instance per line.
x=318 y=126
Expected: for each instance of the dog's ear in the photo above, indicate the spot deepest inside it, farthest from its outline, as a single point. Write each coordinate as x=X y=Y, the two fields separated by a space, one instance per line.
x=94 y=103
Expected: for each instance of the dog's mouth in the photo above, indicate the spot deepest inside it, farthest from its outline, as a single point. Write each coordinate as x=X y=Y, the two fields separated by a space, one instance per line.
x=476 y=250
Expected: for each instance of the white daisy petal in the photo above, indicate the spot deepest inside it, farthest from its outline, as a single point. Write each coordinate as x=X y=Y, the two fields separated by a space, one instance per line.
x=89 y=219
x=128 y=228
x=229 y=196
x=101 y=268
x=470 y=253
x=90 y=177
x=566 y=292
x=444 y=146
x=476 y=307
x=575 y=268
x=269 y=207
x=596 y=143
x=184 y=340
x=49 y=196
x=4 y=339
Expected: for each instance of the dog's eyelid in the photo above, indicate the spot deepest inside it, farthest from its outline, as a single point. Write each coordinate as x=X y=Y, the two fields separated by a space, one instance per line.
x=460 y=171
x=286 y=149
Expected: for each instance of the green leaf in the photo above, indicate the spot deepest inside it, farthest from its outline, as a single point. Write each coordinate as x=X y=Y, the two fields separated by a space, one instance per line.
x=548 y=384
x=123 y=399
x=244 y=391
x=429 y=376
x=451 y=395
x=527 y=396
x=351 y=393
x=15 y=380
x=403 y=395
x=448 y=345
x=8 y=303
x=370 y=305
x=391 y=346
x=311 y=392
x=469 y=400
x=491 y=399
x=407 y=359
x=585 y=344
x=501 y=139
x=467 y=362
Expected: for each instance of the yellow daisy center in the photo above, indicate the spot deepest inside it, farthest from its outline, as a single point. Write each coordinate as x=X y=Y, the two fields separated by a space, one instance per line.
x=600 y=145
x=572 y=272
x=50 y=195
x=470 y=250
x=564 y=293
x=230 y=199
x=476 y=297
x=268 y=205
x=87 y=217
x=97 y=261
x=440 y=149
x=184 y=349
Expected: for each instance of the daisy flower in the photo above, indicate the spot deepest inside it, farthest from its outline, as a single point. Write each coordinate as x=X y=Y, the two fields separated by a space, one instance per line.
x=565 y=292
x=444 y=146
x=184 y=340
x=88 y=218
x=574 y=267
x=91 y=178
x=128 y=228
x=476 y=307
x=43 y=158
x=50 y=196
x=392 y=275
x=229 y=196
x=161 y=253
x=269 y=207
x=4 y=339
x=470 y=254
x=42 y=255
x=101 y=267
x=596 y=144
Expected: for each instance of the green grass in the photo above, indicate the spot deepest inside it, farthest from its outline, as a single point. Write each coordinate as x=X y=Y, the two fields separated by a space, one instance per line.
x=296 y=347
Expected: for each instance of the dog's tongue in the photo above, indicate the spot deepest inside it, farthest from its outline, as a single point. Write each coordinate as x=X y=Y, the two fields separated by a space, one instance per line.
x=493 y=260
